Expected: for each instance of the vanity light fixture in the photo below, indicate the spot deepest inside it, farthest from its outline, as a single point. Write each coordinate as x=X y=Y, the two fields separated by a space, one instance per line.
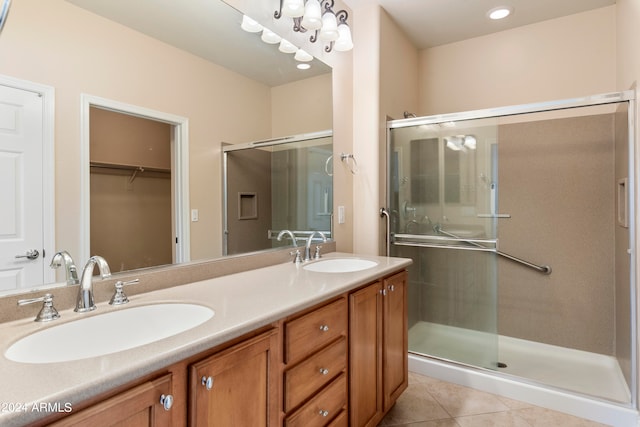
x=318 y=16
x=499 y=12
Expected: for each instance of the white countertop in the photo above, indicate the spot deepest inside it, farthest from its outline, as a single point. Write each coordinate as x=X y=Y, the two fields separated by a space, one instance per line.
x=242 y=303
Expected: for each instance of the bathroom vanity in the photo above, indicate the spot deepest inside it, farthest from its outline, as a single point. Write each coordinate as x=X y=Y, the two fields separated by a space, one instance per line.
x=287 y=346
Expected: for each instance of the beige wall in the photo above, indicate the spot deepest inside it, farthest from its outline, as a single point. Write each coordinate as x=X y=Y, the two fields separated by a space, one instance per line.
x=556 y=180
x=301 y=107
x=560 y=58
x=121 y=139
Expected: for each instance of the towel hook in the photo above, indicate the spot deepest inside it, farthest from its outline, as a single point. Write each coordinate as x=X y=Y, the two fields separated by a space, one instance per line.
x=352 y=167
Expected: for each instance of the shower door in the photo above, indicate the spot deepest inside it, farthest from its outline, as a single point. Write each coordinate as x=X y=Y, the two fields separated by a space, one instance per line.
x=442 y=194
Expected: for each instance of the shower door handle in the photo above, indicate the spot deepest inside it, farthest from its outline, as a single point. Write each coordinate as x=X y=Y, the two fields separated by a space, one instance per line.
x=385 y=214
x=493 y=215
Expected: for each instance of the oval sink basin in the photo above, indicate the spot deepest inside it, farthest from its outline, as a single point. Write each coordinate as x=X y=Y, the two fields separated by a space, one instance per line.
x=340 y=265
x=107 y=333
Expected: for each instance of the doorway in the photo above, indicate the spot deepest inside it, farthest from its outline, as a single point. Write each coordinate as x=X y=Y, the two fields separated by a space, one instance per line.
x=149 y=184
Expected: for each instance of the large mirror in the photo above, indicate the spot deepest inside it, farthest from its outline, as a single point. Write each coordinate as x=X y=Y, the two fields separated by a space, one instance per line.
x=188 y=59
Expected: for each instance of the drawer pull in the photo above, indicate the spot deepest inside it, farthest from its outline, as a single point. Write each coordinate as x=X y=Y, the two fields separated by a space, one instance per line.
x=324 y=371
x=324 y=328
x=323 y=413
x=166 y=401
x=207 y=382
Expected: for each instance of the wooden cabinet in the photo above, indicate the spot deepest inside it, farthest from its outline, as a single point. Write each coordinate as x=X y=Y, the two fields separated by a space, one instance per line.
x=141 y=406
x=378 y=349
x=342 y=363
x=395 y=346
x=236 y=387
x=314 y=366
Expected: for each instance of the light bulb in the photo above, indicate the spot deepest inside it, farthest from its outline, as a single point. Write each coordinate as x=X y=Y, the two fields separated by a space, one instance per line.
x=303 y=56
x=499 y=12
x=293 y=8
x=329 y=30
x=344 y=42
x=287 y=47
x=312 y=19
x=249 y=25
x=270 y=37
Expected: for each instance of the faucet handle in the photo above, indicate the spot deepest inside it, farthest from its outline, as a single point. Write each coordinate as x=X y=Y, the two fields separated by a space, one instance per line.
x=48 y=311
x=119 y=296
x=297 y=258
x=317 y=255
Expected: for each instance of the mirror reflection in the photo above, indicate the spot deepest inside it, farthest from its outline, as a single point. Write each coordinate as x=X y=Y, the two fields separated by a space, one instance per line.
x=277 y=185
x=114 y=51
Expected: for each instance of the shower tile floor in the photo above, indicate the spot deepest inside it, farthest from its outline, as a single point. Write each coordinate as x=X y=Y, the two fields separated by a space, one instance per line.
x=429 y=402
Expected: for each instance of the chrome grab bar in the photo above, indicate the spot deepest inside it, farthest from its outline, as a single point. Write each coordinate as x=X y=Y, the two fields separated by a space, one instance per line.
x=544 y=269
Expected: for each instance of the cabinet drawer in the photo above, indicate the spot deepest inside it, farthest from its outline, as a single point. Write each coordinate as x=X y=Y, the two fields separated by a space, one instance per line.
x=314 y=330
x=323 y=407
x=312 y=374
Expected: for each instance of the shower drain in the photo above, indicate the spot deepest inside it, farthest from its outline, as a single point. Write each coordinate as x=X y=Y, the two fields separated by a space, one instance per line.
x=501 y=365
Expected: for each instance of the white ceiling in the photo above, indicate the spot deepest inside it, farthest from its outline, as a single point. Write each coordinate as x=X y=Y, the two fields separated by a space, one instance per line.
x=430 y=23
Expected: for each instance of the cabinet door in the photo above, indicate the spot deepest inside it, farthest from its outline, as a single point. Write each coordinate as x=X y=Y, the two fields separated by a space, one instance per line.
x=395 y=338
x=137 y=407
x=232 y=388
x=365 y=355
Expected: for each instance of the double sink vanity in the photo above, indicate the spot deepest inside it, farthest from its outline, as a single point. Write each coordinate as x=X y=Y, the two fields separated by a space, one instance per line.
x=312 y=344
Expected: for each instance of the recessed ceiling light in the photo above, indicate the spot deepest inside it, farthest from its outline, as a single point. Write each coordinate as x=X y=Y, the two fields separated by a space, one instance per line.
x=303 y=66
x=500 y=12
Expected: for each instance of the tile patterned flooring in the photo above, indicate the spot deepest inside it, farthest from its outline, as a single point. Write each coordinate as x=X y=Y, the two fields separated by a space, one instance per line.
x=433 y=403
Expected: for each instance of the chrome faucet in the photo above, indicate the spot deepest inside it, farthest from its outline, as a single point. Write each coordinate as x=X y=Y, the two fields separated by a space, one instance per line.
x=290 y=234
x=85 y=293
x=69 y=266
x=307 y=248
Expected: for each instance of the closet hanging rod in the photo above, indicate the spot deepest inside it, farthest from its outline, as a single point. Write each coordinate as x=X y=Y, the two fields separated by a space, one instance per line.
x=102 y=165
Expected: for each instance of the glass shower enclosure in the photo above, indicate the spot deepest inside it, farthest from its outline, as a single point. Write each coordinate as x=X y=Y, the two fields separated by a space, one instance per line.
x=521 y=227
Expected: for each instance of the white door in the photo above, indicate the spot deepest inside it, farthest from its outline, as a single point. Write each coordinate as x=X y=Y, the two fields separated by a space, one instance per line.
x=21 y=189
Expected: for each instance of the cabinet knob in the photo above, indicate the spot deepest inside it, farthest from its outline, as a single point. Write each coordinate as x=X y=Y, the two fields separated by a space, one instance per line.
x=383 y=292
x=166 y=400
x=323 y=413
x=392 y=288
x=324 y=371
x=207 y=382
x=324 y=328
